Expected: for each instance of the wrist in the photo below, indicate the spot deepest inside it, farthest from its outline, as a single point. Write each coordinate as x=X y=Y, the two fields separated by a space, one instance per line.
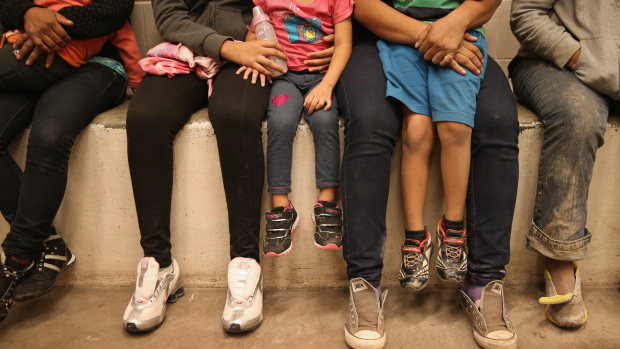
x=226 y=50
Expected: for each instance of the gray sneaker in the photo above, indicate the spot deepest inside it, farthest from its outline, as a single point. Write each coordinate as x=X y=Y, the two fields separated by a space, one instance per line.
x=364 y=328
x=565 y=310
x=492 y=329
x=146 y=310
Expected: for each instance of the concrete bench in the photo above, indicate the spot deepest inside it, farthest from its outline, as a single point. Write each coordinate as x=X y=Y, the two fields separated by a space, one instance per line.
x=98 y=216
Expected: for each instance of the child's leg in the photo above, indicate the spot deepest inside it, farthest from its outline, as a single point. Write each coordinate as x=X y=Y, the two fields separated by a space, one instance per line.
x=15 y=74
x=418 y=136
x=283 y=115
x=455 y=138
x=324 y=127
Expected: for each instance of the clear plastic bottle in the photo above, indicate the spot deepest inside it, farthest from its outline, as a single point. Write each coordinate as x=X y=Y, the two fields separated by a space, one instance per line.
x=264 y=31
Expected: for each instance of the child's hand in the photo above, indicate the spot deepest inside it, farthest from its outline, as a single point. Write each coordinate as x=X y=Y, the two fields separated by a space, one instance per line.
x=255 y=74
x=319 y=96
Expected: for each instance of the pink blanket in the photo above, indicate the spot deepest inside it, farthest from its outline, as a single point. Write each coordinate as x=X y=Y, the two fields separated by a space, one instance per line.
x=168 y=59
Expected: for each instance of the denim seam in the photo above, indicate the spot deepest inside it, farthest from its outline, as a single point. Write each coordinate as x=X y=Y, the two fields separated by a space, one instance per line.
x=558 y=245
x=343 y=191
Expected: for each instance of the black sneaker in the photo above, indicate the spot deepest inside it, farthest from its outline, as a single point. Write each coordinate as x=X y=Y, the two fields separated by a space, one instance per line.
x=281 y=224
x=327 y=217
x=452 y=258
x=414 y=269
x=9 y=278
x=55 y=258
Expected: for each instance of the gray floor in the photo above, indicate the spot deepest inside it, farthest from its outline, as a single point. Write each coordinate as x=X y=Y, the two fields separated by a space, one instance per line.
x=91 y=318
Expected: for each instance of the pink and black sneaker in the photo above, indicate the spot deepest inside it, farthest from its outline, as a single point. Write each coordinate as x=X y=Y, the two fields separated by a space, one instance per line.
x=281 y=224
x=327 y=217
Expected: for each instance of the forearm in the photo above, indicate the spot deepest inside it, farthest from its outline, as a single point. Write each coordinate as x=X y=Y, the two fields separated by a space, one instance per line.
x=97 y=19
x=12 y=12
x=342 y=53
x=474 y=13
x=386 y=22
x=539 y=34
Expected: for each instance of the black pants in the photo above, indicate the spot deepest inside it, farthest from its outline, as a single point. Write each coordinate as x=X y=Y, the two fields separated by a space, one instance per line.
x=158 y=110
x=372 y=126
x=15 y=74
x=30 y=200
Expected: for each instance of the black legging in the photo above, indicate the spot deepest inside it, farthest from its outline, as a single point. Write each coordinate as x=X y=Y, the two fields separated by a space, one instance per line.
x=57 y=115
x=159 y=109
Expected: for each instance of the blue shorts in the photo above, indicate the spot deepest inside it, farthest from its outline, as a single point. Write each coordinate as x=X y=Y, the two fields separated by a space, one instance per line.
x=430 y=89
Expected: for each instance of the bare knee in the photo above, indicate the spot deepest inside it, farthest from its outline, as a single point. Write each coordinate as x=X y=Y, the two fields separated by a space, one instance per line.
x=454 y=133
x=418 y=135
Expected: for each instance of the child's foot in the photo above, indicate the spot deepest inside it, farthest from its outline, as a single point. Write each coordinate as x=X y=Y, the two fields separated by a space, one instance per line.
x=327 y=217
x=281 y=224
x=416 y=252
x=452 y=258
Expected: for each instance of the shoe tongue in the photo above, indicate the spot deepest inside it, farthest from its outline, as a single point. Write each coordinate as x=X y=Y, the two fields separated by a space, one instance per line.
x=242 y=278
x=148 y=273
x=278 y=209
x=492 y=308
x=410 y=242
x=11 y=263
x=454 y=233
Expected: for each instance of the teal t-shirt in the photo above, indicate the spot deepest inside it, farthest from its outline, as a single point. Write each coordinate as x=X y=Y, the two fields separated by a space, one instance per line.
x=428 y=11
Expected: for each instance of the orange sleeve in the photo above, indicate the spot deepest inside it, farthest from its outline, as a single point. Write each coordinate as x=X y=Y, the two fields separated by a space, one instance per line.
x=125 y=40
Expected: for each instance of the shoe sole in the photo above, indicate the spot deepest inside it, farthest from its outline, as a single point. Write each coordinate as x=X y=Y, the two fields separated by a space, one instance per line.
x=131 y=327
x=490 y=343
x=566 y=324
x=328 y=247
x=361 y=343
x=273 y=254
x=235 y=329
x=43 y=292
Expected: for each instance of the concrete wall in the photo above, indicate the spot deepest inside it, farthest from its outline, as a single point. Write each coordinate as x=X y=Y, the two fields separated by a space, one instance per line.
x=98 y=217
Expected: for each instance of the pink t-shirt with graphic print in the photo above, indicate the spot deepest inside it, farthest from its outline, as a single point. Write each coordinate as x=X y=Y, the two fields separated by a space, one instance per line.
x=301 y=28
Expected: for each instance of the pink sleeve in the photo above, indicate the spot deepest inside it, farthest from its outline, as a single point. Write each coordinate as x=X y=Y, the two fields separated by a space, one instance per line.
x=342 y=10
x=125 y=40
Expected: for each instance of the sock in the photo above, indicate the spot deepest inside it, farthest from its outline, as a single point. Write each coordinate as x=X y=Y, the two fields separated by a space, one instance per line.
x=415 y=234
x=10 y=262
x=377 y=286
x=474 y=292
x=454 y=225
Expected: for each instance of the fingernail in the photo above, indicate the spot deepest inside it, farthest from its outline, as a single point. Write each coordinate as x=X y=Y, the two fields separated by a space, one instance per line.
x=19 y=56
x=478 y=72
x=305 y=62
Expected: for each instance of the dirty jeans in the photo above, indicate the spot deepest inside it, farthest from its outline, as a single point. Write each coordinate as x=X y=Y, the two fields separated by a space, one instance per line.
x=283 y=114
x=574 y=118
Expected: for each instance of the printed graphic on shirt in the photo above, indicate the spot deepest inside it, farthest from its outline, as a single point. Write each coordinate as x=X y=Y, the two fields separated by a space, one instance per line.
x=303 y=29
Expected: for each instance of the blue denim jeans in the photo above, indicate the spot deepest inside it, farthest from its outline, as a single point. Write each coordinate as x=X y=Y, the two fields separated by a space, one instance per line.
x=574 y=118
x=283 y=115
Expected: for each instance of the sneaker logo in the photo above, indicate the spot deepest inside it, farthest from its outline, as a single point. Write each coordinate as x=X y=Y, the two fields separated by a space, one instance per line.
x=273 y=215
x=449 y=240
x=359 y=286
x=333 y=211
x=497 y=289
x=410 y=249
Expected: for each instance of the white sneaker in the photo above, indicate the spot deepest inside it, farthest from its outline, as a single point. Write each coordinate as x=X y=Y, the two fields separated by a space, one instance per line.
x=244 y=303
x=147 y=309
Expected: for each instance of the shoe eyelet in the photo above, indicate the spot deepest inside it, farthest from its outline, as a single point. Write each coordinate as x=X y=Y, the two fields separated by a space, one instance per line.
x=476 y=318
x=480 y=324
x=40 y=269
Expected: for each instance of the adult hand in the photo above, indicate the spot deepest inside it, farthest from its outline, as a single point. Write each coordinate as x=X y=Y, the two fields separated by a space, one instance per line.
x=469 y=57
x=254 y=54
x=45 y=29
x=25 y=46
x=467 y=54
x=573 y=60
x=321 y=59
x=441 y=38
